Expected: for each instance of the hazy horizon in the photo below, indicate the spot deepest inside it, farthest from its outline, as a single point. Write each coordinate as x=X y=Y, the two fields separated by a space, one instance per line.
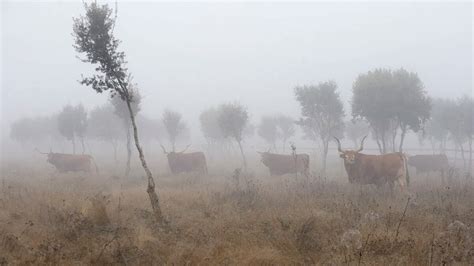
x=190 y=56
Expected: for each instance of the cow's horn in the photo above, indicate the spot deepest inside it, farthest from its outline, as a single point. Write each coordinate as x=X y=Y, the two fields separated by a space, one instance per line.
x=36 y=149
x=338 y=144
x=362 y=144
x=185 y=148
x=164 y=150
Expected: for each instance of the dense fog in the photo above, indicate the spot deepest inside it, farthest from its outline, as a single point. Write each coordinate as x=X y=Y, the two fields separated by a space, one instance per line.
x=191 y=56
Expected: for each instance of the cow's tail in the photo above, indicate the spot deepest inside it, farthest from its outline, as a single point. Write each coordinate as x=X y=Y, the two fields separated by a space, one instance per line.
x=405 y=165
x=95 y=165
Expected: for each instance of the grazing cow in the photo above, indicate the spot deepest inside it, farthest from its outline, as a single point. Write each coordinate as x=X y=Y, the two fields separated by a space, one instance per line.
x=71 y=162
x=186 y=162
x=430 y=163
x=280 y=164
x=375 y=169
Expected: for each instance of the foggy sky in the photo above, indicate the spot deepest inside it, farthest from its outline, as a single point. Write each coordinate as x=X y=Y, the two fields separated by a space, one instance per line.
x=189 y=56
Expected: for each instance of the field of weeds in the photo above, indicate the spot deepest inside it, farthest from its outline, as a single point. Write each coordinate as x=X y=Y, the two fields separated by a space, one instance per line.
x=231 y=218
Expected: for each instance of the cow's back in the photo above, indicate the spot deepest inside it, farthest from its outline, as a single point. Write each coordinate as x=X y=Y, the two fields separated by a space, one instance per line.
x=72 y=163
x=188 y=162
x=280 y=164
x=428 y=163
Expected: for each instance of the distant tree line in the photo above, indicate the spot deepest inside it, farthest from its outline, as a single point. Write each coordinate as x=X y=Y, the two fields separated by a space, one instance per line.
x=385 y=103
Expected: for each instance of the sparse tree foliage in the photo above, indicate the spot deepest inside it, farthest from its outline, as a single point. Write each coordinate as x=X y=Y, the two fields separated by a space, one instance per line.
x=233 y=120
x=286 y=127
x=466 y=110
x=390 y=101
x=174 y=125
x=356 y=130
x=436 y=128
x=210 y=126
x=268 y=130
x=94 y=38
x=150 y=129
x=322 y=114
x=105 y=125
x=72 y=123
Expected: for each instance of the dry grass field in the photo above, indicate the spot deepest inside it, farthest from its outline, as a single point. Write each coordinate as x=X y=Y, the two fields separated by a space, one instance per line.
x=228 y=219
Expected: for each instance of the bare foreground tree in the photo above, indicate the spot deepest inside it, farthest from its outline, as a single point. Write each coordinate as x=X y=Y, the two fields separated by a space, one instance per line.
x=93 y=34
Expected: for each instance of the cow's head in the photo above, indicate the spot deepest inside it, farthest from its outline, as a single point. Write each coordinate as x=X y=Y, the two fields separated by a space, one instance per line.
x=51 y=155
x=174 y=154
x=265 y=156
x=349 y=156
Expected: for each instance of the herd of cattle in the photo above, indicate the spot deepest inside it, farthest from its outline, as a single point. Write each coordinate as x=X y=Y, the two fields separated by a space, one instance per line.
x=361 y=168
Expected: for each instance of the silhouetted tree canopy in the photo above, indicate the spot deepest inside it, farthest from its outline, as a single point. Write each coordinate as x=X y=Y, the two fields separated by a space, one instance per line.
x=174 y=125
x=72 y=123
x=233 y=120
x=105 y=125
x=355 y=130
x=322 y=113
x=390 y=101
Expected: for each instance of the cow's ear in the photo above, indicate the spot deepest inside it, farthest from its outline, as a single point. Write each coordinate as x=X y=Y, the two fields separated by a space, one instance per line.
x=342 y=155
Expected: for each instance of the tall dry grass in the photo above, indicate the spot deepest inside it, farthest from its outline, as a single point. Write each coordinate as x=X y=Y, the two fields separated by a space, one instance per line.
x=231 y=218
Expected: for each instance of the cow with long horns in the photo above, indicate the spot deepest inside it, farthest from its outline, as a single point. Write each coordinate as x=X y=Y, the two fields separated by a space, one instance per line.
x=71 y=162
x=186 y=162
x=374 y=169
x=280 y=164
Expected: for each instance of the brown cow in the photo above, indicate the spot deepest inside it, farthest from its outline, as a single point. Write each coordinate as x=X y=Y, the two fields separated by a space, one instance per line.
x=375 y=169
x=186 y=162
x=71 y=162
x=280 y=164
x=430 y=163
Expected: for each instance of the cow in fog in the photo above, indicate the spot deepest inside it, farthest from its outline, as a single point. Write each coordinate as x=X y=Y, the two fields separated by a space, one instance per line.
x=280 y=164
x=430 y=163
x=378 y=170
x=186 y=162
x=71 y=162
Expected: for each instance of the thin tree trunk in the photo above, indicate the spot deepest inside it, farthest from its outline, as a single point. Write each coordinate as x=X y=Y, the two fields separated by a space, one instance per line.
x=463 y=156
x=153 y=196
x=402 y=138
x=384 y=144
x=378 y=145
x=129 y=151
x=83 y=147
x=243 y=155
x=284 y=145
x=394 y=136
x=470 y=156
x=455 y=153
x=325 y=155
x=73 y=145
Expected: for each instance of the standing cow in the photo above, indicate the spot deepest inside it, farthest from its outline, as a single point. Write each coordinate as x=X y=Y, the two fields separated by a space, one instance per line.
x=430 y=163
x=280 y=164
x=186 y=162
x=71 y=162
x=378 y=170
